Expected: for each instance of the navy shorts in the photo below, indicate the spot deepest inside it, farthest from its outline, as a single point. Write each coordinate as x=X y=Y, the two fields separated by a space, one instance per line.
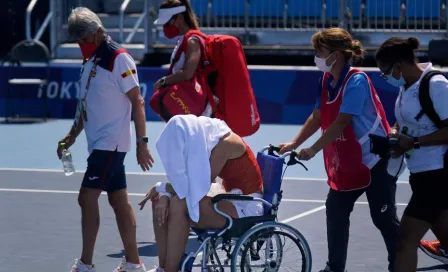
x=105 y=170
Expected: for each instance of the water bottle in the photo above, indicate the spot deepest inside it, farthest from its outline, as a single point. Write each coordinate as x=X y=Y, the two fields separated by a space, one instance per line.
x=67 y=162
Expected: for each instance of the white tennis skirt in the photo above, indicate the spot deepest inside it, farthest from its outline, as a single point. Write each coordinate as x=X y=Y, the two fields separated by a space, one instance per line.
x=243 y=208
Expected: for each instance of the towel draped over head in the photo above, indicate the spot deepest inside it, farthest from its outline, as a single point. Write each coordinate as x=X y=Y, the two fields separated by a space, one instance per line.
x=185 y=147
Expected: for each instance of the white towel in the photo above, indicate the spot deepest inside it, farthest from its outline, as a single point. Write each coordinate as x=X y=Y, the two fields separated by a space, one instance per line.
x=185 y=146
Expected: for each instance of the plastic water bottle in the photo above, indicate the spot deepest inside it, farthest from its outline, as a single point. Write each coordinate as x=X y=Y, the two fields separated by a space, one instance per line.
x=67 y=162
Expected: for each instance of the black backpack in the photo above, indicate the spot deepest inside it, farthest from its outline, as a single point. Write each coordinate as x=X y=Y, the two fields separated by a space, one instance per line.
x=428 y=106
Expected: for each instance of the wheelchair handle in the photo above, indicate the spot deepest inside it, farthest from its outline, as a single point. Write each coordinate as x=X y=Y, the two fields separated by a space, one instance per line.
x=292 y=155
x=273 y=149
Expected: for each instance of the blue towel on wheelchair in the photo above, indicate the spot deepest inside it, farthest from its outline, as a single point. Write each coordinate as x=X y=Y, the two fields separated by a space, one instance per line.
x=185 y=147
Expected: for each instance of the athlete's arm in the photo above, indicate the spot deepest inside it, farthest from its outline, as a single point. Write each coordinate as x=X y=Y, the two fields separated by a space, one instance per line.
x=192 y=58
x=169 y=189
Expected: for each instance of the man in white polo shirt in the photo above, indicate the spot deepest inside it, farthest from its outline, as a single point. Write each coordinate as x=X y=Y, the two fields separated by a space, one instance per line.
x=109 y=94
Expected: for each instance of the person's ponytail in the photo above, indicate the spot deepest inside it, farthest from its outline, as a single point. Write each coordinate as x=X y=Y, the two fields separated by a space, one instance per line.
x=190 y=18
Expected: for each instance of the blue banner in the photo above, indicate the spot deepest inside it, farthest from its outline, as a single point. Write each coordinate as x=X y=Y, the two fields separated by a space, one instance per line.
x=283 y=96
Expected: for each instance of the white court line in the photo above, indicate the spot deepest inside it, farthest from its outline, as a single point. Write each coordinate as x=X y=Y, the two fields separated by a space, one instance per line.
x=287 y=220
x=53 y=191
x=323 y=201
x=139 y=194
x=152 y=174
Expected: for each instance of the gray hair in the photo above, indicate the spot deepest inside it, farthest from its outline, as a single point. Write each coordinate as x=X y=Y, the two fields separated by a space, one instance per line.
x=82 y=22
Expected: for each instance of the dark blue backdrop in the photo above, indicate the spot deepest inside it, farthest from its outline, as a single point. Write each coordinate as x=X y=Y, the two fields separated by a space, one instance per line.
x=283 y=96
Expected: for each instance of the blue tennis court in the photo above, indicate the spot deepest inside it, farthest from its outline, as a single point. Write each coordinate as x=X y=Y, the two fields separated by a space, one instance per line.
x=41 y=228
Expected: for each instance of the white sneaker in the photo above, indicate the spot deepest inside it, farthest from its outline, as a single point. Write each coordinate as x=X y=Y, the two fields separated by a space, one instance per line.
x=156 y=269
x=127 y=267
x=79 y=266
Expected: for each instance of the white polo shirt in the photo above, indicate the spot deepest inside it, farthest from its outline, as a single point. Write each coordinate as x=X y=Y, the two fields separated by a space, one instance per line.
x=407 y=107
x=108 y=125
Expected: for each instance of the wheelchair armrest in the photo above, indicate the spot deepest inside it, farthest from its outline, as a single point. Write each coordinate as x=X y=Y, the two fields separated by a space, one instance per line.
x=220 y=197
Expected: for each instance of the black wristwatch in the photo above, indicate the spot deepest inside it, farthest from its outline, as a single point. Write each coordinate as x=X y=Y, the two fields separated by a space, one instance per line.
x=143 y=140
x=416 y=143
x=162 y=81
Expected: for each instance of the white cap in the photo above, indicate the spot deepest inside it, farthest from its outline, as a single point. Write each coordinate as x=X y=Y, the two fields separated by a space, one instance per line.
x=165 y=14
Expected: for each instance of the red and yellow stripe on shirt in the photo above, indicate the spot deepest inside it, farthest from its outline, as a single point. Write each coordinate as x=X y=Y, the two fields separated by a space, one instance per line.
x=128 y=73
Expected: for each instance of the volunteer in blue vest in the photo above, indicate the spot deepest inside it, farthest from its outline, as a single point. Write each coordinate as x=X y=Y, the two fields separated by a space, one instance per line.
x=348 y=110
x=109 y=95
x=177 y=18
x=426 y=146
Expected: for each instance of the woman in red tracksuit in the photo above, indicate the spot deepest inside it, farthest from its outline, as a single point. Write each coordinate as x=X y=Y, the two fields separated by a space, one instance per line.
x=347 y=111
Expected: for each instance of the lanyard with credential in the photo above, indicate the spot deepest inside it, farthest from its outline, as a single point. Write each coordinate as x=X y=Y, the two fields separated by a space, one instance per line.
x=82 y=107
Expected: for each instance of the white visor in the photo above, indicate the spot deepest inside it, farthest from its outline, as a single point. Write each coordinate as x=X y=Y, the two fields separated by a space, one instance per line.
x=166 y=14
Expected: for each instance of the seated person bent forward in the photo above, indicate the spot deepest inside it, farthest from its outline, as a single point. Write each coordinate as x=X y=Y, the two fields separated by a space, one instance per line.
x=203 y=146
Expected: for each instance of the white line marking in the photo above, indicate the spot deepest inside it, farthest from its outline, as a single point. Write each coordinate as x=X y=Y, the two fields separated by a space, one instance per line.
x=287 y=220
x=53 y=191
x=323 y=201
x=82 y=171
x=158 y=174
x=139 y=194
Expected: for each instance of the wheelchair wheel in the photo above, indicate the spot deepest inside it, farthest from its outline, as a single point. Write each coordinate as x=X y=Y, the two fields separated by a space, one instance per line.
x=265 y=248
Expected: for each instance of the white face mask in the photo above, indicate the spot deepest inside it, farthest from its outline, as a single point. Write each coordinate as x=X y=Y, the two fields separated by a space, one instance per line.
x=321 y=64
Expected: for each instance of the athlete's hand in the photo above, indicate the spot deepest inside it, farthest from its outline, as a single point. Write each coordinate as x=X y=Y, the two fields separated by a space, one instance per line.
x=69 y=140
x=151 y=195
x=286 y=147
x=161 y=210
x=144 y=157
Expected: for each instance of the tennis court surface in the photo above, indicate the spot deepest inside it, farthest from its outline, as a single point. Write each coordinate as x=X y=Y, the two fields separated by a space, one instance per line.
x=40 y=227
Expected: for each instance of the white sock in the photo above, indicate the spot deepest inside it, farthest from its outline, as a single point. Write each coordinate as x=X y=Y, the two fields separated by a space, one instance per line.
x=132 y=265
x=89 y=266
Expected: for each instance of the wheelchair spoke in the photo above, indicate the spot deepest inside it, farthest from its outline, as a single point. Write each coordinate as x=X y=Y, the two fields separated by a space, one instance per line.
x=218 y=256
x=271 y=250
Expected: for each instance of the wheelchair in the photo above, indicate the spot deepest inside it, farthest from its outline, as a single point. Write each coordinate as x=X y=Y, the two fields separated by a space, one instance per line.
x=242 y=240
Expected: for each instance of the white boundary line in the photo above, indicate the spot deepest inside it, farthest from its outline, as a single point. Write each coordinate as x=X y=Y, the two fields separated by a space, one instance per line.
x=140 y=194
x=323 y=201
x=287 y=220
x=152 y=174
